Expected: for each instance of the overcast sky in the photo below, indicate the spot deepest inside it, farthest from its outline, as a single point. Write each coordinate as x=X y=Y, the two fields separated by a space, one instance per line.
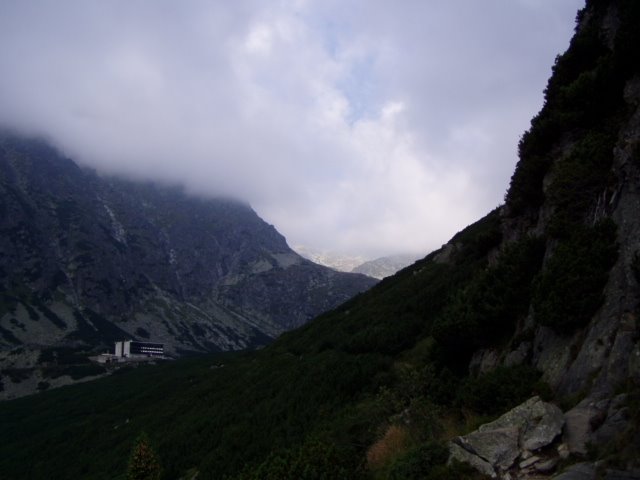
x=366 y=127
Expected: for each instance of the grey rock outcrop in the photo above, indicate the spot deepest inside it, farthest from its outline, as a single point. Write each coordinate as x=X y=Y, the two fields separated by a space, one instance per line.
x=615 y=423
x=581 y=422
x=483 y=361
x=496 y=445
x=531 y=440
x=595 y=421
x=603 y=351
x=595 y=356
x=494 y=448
x=606 y=352
x=519 y=355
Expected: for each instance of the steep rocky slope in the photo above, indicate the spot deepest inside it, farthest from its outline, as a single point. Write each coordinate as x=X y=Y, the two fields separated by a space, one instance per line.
x=85 y=260
x=384 y=266
x=337 y=261
x=581 y=165
x=577 y=189
x=377 y=268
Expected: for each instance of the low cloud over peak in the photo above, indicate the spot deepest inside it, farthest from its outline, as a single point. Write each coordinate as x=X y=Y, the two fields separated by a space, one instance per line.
x=356 y=126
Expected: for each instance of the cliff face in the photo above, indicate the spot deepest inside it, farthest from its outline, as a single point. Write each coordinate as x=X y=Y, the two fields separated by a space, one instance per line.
x=576 y=191
x=85 y=260
x=577 y=185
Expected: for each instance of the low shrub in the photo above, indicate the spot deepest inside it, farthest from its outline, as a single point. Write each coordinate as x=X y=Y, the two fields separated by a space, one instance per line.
x=501 y=389
x=569 y=290
x=314 y=460
x=419 y=462
x=579 y=179
x=455 y=471
x=393 y=444
x=490 y=306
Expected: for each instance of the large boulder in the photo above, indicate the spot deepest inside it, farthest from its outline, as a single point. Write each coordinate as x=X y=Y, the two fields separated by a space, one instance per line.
x=494 y=448
x=538 y=423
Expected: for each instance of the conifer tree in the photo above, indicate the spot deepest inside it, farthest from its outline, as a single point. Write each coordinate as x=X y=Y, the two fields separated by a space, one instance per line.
x=144 y=463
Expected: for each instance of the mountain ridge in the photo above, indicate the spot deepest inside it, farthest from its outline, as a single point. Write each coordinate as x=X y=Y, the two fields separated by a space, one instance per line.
x=378 y=268
x=385 y=266
x=85 y=260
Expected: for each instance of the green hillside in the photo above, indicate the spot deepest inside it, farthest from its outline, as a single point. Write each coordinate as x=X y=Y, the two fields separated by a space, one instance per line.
x=338 y=381
x=376 y=388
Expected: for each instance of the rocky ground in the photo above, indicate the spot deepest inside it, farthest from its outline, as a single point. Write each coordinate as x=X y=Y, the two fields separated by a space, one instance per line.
x=536 y=440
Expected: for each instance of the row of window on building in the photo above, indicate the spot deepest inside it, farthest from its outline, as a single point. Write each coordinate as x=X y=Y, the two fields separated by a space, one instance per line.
x=129 y=350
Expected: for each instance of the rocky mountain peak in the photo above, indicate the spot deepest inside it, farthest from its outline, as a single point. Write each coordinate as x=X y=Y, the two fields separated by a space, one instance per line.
x=86 y=260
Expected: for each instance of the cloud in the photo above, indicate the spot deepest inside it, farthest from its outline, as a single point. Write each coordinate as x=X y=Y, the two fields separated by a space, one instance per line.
x=360 y=126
